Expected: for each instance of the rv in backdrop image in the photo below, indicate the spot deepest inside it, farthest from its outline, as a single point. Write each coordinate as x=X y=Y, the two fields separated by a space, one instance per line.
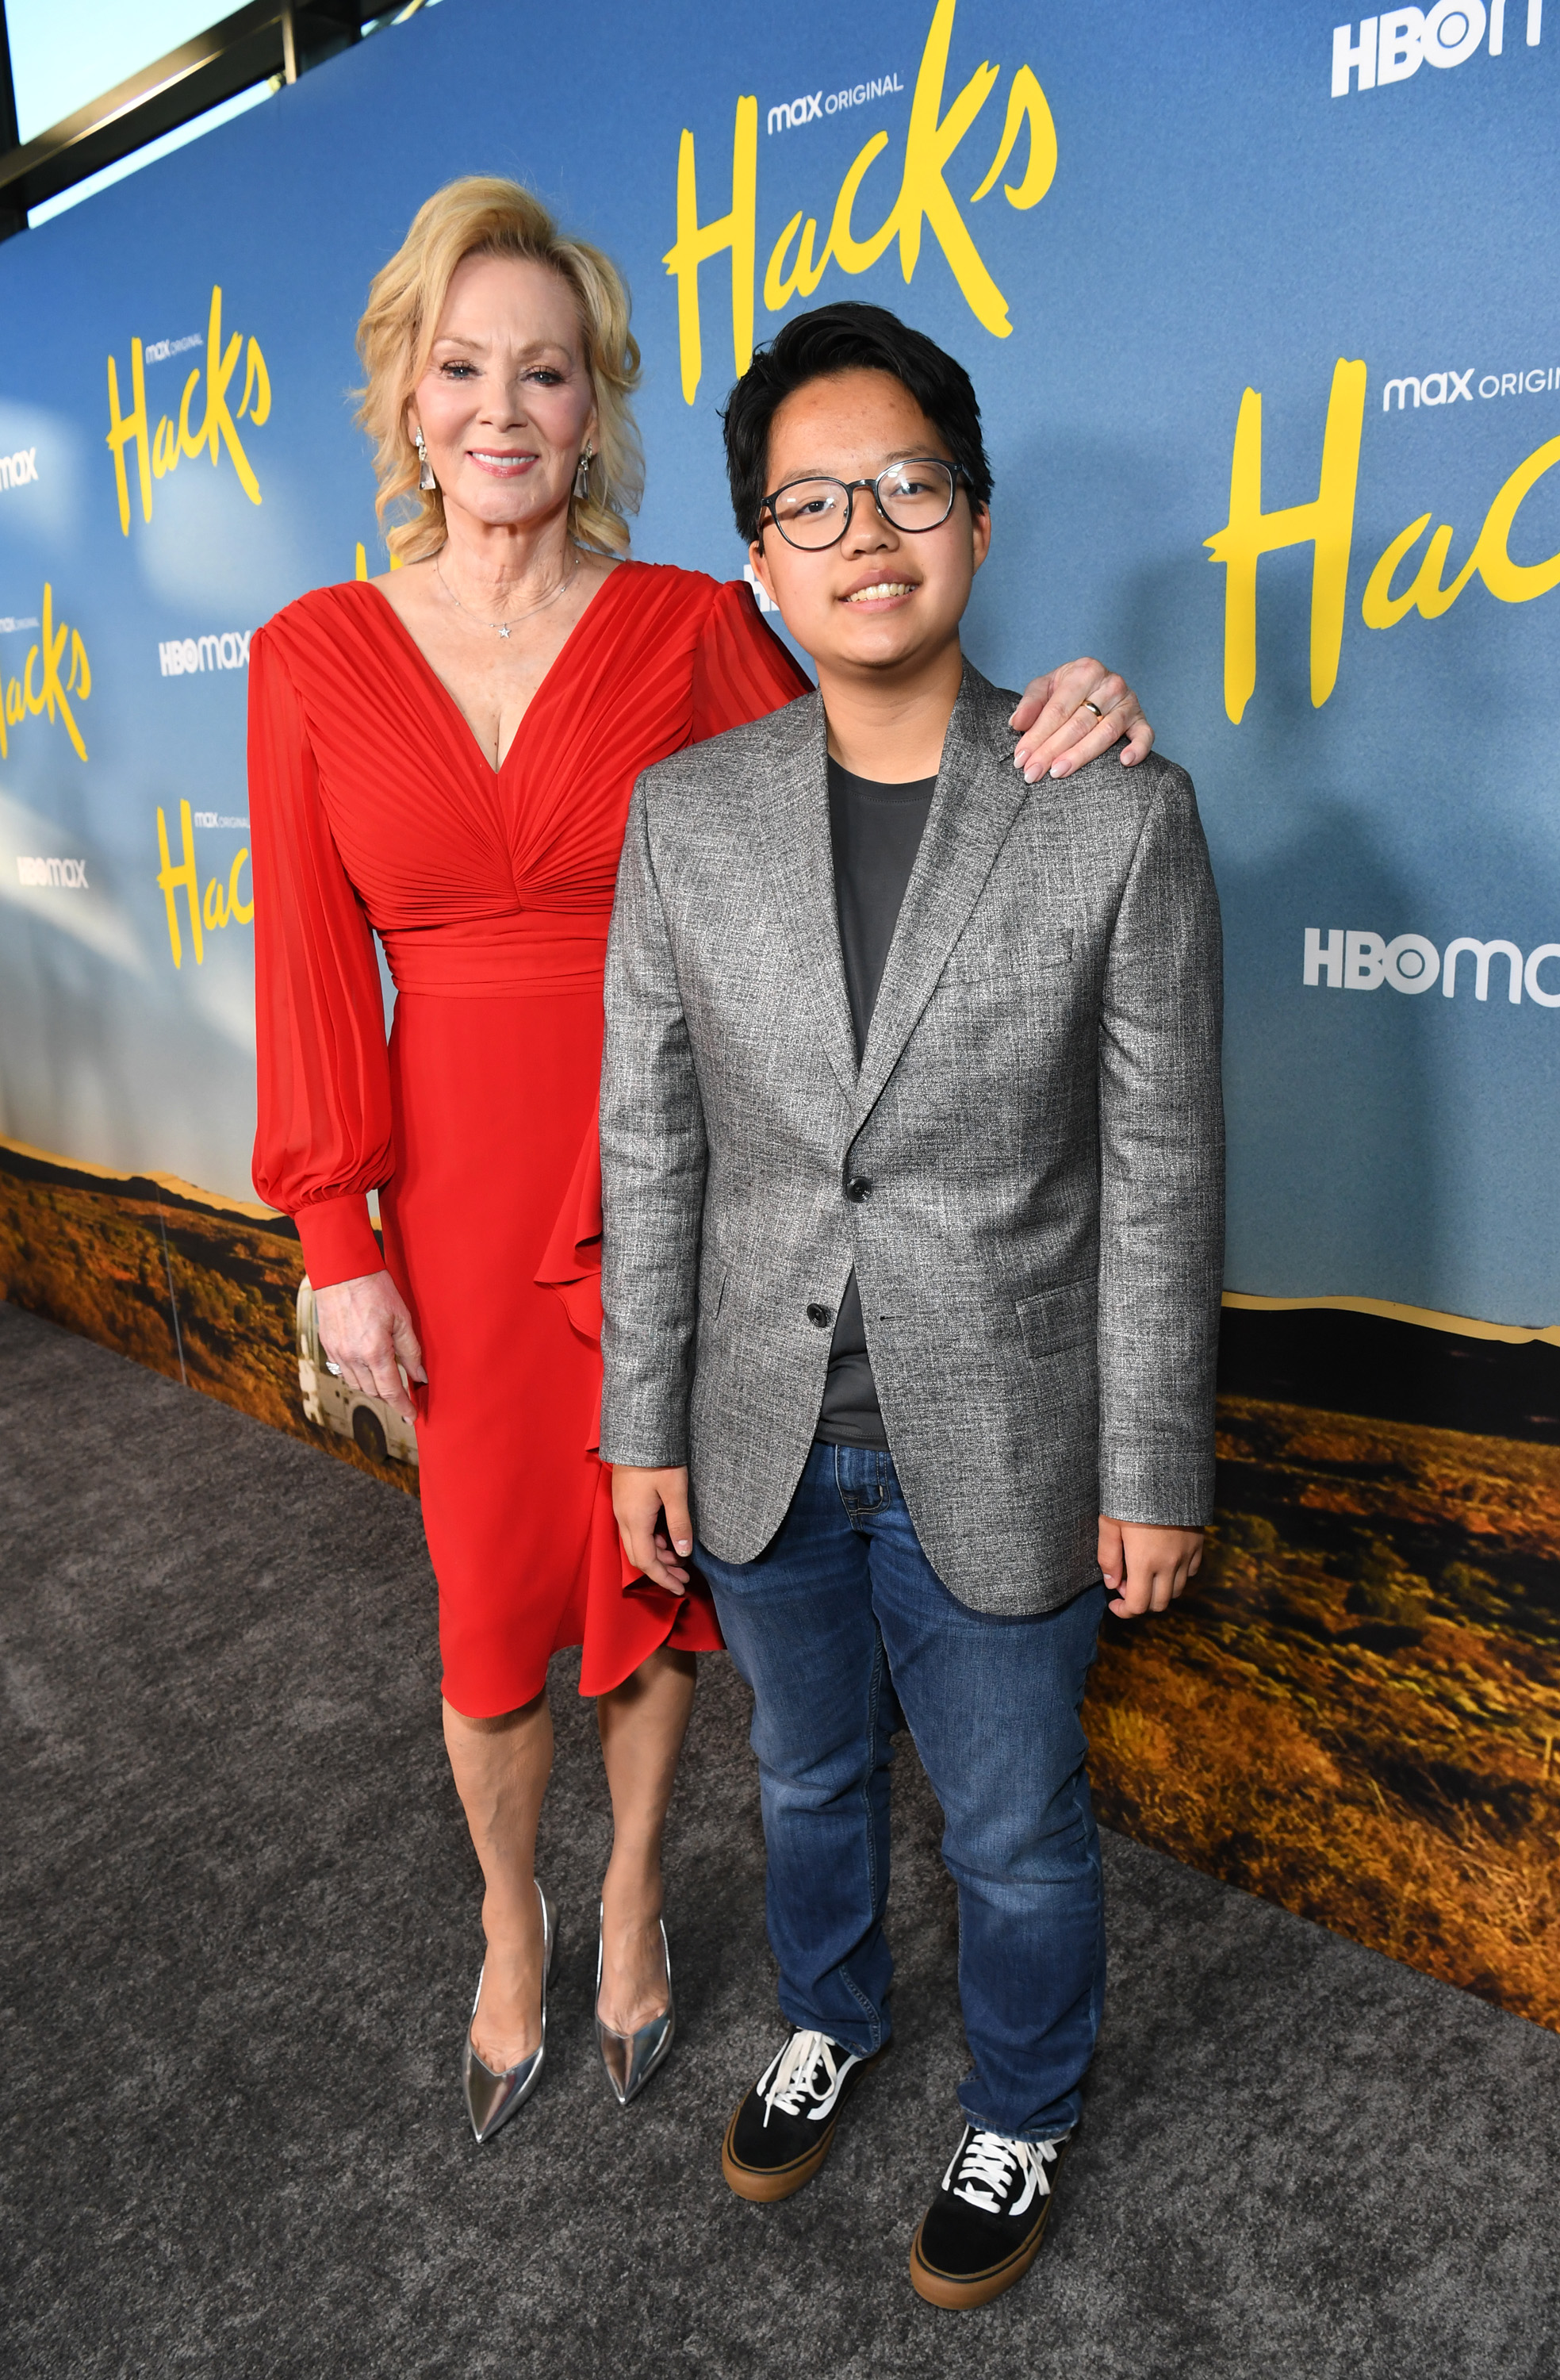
x=376 y=1426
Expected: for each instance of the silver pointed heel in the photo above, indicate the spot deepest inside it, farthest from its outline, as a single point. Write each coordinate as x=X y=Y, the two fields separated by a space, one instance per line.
x=492 y=2099
x=631 y=2058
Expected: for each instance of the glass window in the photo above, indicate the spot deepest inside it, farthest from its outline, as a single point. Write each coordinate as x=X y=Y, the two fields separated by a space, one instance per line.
x=65 y=52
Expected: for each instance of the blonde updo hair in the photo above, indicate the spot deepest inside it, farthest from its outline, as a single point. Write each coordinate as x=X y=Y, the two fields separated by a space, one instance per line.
x=482 y=214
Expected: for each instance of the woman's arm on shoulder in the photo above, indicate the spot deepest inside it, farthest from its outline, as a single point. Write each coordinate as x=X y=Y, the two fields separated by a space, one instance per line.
x=1066 y=718
x=740 y=669
x=1071 y=715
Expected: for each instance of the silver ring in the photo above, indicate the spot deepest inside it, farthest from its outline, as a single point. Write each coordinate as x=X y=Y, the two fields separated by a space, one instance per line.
x=334 y=1369
x=1087 y=705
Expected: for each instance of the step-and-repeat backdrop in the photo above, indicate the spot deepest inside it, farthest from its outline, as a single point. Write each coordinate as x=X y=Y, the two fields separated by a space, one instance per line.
x=1261 y=312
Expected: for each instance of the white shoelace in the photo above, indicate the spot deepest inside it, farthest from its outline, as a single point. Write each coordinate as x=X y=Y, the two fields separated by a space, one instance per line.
x=988 y=2163
x=793 y=2077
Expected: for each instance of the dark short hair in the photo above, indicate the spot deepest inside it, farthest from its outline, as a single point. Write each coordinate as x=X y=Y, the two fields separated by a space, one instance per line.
x=840 y=339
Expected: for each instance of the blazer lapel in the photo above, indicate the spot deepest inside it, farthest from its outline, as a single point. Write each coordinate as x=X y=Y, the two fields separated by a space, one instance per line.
x=979 y=794
x=792 y=806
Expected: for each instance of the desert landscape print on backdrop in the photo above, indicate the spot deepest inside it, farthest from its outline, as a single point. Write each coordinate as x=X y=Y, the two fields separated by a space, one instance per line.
x=1356 y=1711
x=189 y=1285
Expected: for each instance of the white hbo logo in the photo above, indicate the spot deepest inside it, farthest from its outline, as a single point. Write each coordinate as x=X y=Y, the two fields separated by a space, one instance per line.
x=1391 y=47
x=1351 y=960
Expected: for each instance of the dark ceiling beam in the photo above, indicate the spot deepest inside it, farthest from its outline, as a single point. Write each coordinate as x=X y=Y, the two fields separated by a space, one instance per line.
x=270 y=37
x=10 y=220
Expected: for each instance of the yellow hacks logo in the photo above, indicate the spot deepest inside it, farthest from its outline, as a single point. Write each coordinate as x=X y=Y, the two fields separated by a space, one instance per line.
x=57 y=682
x=160 y=451
x=222 y=903
x=1326 y=524
x=796 y=264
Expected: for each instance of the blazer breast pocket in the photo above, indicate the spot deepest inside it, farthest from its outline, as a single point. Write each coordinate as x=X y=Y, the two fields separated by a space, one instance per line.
x=989 y=960
x=1059 y=1321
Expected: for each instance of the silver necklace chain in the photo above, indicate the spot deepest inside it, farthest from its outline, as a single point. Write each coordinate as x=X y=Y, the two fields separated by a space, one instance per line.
x=503 y=626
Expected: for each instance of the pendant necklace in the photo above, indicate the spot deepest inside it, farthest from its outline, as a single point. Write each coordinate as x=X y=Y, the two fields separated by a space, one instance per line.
x=503 y=626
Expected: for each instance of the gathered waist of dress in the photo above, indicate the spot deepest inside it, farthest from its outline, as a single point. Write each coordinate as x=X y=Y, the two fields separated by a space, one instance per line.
x=528 y=951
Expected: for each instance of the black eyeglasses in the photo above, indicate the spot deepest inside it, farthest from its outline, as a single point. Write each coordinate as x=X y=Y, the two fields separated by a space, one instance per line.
x=914 y=495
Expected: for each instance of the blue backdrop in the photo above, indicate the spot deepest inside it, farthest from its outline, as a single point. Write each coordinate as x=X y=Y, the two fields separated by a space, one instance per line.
x=1190 y=208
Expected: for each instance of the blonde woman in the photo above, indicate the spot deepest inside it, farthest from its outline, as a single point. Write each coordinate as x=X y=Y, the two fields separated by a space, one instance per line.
x=443 y=757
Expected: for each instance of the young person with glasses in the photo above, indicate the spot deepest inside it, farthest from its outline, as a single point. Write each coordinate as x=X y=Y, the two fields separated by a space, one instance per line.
x=441 y=757
x=911 y=1155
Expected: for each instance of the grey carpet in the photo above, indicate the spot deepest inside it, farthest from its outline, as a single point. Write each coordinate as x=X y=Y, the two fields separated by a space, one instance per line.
x=239 y=1938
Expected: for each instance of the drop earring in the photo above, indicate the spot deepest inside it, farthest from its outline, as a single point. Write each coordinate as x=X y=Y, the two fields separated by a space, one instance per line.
x=582 y=477
x=425 y=478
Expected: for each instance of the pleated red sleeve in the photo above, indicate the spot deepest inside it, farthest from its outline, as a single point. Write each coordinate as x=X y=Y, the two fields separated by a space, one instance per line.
x=323 y=1140
x=741 y=670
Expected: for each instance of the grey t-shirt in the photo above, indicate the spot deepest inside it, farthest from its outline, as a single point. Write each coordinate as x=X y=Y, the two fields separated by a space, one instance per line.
x=875 y=831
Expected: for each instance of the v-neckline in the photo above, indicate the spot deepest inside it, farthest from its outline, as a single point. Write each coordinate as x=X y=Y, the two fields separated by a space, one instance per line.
x=496 y=769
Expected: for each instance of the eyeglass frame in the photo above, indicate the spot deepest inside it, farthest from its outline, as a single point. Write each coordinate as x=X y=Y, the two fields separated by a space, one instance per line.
x=959 y=476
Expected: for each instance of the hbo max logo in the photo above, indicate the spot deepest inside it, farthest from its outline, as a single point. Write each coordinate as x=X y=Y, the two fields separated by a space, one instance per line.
x=1351 y=961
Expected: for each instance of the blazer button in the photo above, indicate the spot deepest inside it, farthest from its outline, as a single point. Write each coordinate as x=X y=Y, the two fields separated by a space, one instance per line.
x=819 y=1314
x=858 y=1187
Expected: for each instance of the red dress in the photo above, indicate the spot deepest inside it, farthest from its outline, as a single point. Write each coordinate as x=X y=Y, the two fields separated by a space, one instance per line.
x=373 y=810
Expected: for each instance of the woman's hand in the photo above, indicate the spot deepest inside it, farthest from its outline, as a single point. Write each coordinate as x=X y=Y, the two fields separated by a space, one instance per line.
x=1058 y=729
x=366 y=1331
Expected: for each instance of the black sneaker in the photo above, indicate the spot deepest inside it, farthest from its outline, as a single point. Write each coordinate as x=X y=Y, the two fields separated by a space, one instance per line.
x=983 y=2230
x=782 y=2130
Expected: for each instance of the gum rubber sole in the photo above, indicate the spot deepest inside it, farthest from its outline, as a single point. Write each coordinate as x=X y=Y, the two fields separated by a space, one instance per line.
x=975 y=2288
x=767 y=2186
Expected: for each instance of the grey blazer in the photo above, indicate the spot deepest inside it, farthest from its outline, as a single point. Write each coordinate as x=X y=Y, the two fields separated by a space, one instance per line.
x=1026 y=1169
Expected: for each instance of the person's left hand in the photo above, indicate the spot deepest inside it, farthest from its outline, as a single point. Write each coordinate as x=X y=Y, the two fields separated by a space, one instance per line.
x=1145 y=1568
x=651 y=1508
x=1071 y=715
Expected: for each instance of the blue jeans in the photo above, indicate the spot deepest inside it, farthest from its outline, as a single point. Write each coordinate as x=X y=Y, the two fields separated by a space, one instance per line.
x=845 y=1632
